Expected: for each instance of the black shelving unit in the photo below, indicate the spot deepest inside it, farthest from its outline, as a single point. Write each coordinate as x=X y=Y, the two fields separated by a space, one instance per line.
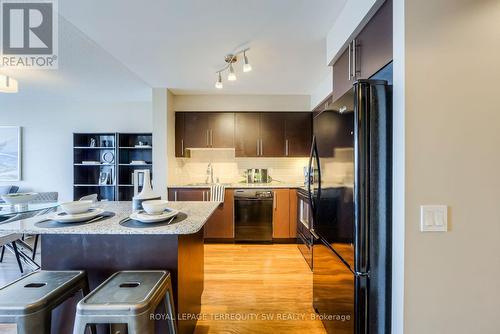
x=103 y=163
x=132 y=147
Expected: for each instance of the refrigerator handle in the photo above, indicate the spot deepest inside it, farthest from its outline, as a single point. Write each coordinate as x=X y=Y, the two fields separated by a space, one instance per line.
x=361 y=177
x=309 y=167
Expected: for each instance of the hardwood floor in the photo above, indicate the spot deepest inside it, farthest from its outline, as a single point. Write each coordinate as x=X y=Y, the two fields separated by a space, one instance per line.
x=248 y=289
x=263 y=285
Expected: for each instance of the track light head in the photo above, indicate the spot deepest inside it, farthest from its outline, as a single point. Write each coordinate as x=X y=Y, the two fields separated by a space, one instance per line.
x=231 y=76
x=246 y=67
x=218 y=84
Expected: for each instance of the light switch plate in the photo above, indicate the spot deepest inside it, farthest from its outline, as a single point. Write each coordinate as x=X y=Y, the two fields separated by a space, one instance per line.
x=433 y=218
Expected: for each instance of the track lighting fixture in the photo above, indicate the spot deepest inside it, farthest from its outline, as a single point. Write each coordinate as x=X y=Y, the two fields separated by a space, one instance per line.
x=230 y=60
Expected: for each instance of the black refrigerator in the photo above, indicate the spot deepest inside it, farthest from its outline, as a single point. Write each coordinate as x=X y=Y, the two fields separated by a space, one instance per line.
x=352 y=213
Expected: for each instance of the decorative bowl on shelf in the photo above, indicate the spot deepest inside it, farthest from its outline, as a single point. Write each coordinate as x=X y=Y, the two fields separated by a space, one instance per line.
x=18 y=198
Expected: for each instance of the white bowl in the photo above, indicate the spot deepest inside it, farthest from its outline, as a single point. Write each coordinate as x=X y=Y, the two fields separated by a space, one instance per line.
x=155 y=207
x=18 y=198
x=74 y=208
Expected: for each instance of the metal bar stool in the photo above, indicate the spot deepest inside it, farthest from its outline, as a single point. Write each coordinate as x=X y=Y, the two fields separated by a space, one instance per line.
x=29 y=301
x=128 y=297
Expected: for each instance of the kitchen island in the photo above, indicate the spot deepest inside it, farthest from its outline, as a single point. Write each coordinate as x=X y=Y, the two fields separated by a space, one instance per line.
x=106 y=246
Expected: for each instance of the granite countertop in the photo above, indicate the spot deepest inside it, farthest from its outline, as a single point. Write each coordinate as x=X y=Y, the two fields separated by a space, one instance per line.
x=243 y=185
x=197 y=215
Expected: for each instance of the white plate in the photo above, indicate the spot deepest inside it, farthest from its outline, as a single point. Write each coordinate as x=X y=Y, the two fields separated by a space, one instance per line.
x=145 y=218
x=62 y=217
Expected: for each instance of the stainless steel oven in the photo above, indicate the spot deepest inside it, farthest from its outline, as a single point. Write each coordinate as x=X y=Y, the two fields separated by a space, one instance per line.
x=305 y=239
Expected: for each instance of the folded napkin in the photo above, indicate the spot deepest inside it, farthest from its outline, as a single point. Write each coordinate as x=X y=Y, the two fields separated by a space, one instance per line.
x=217 y=193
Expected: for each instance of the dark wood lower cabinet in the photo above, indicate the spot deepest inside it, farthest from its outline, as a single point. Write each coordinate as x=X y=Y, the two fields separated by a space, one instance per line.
x=221 y=223
x=220 y=226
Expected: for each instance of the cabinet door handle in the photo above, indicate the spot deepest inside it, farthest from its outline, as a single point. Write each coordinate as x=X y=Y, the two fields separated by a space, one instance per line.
x=175 y=196
x=258 y=150
x=286 y=147
x=354 y=58
x=275 y=200
x=208 y=139
x=350 y=66
x=211 y=138
x=182 y=147
x=261 y=149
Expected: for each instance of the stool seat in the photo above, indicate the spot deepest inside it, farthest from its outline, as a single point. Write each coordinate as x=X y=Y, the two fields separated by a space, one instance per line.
x=29 y=301
x=38 y=290
x=128 y=297
x=127 y=292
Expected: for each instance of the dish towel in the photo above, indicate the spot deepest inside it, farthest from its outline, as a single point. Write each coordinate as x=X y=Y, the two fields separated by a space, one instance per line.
x=217 y=193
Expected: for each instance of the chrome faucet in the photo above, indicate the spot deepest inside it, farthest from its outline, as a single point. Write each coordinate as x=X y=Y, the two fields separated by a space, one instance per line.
x=210 y=174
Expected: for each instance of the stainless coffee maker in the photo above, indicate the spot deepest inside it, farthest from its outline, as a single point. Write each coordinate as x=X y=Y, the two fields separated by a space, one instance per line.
x=257 y=175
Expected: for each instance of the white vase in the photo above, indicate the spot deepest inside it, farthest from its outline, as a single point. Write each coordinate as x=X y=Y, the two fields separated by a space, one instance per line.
x=146 y=193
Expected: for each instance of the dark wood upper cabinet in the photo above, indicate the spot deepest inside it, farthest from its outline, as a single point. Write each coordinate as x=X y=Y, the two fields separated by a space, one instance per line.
x=333 y=130
x=272 y=135
x=375 y=42
x=196 y=129
x=179 y=135
x=341 y=81
x=221 y=130
x=252 y=134
x=298 y=134
x=203 y=129
x=247 y=134
x=366 y=54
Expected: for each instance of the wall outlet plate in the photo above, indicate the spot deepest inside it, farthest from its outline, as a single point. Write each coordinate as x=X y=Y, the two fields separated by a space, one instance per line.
x=433 y=218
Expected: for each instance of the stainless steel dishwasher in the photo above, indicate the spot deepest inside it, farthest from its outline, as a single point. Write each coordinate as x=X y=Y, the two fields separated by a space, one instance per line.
x=253 y=215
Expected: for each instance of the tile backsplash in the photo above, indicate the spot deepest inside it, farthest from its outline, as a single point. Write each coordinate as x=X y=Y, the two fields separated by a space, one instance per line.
x=228 y=169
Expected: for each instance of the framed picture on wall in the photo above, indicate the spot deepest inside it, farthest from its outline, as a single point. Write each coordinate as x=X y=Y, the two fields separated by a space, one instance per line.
x=10 y=153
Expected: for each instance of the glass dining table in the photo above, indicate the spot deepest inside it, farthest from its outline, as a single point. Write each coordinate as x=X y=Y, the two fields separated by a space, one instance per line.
x=9 y=213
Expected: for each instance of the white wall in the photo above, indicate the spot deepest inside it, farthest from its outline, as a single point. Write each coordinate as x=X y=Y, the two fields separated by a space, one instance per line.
x=324 y=88
x=160 y=121
x=452 y=157
x=218 y=102
x=48 y=141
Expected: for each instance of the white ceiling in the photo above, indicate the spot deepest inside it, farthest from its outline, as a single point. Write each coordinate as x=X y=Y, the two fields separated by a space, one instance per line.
x=180 y=44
